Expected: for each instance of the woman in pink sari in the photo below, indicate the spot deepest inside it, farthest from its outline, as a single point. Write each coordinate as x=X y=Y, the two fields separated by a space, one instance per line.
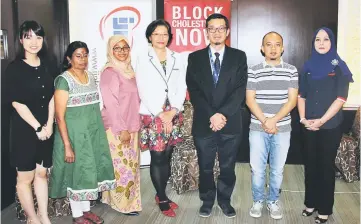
x=122 y=122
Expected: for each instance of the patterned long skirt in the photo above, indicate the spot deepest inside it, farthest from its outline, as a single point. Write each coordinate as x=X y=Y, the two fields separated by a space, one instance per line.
x=126 y=197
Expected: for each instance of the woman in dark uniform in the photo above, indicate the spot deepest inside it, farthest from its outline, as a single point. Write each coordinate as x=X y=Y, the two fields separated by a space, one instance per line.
x=29 y=89
x=323 y=91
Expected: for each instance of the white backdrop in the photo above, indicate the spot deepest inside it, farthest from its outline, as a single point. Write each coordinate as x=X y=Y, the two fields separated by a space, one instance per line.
x=348 y=46
x=94 y=21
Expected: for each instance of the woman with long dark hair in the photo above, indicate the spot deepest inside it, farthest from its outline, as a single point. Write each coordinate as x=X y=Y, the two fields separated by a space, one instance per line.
x=29 y=89
x=82 y=163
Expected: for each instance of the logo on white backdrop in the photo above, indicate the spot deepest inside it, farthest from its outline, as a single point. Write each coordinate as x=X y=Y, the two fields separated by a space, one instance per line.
x=112 y=17
x=120 y=21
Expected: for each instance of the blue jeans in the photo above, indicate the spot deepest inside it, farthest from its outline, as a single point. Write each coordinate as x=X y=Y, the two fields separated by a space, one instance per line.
x=262 y=145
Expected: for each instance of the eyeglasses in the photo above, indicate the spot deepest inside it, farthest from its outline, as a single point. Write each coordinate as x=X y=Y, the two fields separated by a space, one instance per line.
x=120 y=49
x=221 y=29
x=157 y=35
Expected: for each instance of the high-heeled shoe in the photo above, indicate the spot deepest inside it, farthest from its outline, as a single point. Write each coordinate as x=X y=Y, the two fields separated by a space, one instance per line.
x=172 y=204
x=320 y=220
x=307 y=213
x=169 y=212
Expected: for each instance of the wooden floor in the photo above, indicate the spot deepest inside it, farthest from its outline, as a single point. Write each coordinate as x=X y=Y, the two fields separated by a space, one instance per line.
x=346 y=209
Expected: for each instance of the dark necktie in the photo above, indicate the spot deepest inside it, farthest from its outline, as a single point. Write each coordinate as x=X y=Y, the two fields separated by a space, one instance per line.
x=217 y=68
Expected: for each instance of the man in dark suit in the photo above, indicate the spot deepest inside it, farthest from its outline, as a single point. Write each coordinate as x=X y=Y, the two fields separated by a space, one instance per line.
x=216 y=80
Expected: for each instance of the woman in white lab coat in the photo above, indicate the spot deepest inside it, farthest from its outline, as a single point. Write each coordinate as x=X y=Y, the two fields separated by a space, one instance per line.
x=160 y=76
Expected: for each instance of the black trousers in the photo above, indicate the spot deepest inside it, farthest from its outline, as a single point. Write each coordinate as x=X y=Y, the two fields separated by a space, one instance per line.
x=227 y=147
x=321 y=149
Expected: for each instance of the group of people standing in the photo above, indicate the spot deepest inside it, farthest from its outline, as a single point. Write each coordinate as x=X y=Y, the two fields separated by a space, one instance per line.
x=97 y=149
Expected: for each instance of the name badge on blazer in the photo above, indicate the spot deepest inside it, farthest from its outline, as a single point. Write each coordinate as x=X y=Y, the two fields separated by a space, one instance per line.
x=332 y=73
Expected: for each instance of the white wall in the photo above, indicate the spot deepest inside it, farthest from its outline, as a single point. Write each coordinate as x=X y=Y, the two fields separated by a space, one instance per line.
x=348 y=44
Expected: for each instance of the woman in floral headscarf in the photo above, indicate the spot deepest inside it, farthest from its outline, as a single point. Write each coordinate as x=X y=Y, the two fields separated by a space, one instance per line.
x=323 y=90
x=122 y=122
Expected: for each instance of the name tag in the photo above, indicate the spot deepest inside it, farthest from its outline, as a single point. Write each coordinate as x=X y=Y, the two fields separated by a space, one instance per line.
x=175 y=69
x=332 y=74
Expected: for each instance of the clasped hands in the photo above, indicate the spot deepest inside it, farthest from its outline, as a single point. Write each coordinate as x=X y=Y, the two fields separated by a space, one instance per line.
x=218 y=121
x=312 y=125
x=46 y=132
x=269 y=125
x=167 y=117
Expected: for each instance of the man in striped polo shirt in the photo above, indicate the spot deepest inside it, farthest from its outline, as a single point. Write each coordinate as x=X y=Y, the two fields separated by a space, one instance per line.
x=272 y=90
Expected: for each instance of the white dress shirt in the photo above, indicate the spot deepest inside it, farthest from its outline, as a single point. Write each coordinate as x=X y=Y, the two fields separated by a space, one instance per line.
x=221 y=53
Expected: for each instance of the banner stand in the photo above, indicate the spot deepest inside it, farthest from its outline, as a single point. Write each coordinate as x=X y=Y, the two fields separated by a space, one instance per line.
x=111 y=17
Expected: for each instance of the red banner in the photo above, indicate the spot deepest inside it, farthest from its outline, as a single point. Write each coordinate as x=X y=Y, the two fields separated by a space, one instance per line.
x=188 y=21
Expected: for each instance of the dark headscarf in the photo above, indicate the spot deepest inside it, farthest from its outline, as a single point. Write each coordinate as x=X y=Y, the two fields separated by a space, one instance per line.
x=320 y=65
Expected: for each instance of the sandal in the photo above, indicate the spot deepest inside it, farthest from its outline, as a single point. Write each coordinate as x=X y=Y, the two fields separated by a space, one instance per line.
x=82 y=220
x=307 y=213
x=320 y=220
x=93 y=217
x=166 y=209
x=131 y=214
x=172 y=204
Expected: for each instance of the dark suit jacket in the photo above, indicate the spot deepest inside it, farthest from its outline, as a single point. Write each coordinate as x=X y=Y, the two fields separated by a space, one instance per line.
x=227 y=98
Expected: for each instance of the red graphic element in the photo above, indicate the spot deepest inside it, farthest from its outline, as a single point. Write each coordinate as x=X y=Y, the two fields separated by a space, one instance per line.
x=104 y=18
x=342 y=99
x=187 y=19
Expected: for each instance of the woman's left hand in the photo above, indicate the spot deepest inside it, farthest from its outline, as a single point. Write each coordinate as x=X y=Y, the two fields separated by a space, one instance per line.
x=167 y=127
x=42 y=135
x=315 y=125
x=167 y=116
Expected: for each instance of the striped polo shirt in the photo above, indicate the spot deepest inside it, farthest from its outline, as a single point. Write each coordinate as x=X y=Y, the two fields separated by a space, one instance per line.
x=271 y=84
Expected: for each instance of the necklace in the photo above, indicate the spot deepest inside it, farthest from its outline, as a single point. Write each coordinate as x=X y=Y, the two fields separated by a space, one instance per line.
x=78 y=76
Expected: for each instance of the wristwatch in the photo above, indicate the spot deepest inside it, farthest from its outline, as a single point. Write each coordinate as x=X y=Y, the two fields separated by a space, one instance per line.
x=39 y=129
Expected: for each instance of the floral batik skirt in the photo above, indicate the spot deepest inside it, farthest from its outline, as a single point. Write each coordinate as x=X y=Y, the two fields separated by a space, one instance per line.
x=126 y=197
x=152 y=134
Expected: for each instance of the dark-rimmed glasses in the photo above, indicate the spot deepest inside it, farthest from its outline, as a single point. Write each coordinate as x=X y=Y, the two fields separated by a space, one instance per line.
x=221 y=29
x=125 y=49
